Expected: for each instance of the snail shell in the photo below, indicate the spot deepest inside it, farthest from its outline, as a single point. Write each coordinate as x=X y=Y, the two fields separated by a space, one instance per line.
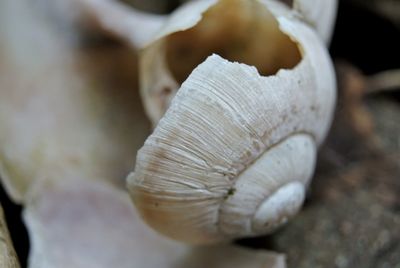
x=319 y=14
x=234 y=152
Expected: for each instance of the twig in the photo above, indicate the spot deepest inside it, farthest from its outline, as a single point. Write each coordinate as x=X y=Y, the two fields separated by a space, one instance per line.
x=384 y=81
x=120 y=20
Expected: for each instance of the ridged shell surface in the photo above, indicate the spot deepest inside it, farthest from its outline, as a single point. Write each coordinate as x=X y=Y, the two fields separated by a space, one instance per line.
x=234 y=152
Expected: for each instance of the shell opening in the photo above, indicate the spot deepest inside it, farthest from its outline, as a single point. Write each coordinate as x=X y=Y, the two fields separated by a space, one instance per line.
x=238 y=30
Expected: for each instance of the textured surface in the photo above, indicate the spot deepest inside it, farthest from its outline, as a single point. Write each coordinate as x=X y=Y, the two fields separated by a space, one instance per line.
x=79 y=99
x=224 y=118
x=351 y=217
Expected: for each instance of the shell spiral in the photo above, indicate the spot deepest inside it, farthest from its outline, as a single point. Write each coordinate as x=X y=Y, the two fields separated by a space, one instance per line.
x=235 y=151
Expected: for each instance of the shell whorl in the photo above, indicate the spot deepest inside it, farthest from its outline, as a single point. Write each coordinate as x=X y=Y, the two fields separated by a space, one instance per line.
x=234 y=152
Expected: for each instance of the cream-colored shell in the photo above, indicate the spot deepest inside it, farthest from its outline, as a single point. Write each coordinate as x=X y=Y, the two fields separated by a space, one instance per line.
x=154 y=74
x=234 y=152
x=320 y=14
x=157 y=84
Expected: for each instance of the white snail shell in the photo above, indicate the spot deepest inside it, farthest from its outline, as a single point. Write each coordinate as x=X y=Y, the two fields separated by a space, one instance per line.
x=234 y=152
x=319 y=14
